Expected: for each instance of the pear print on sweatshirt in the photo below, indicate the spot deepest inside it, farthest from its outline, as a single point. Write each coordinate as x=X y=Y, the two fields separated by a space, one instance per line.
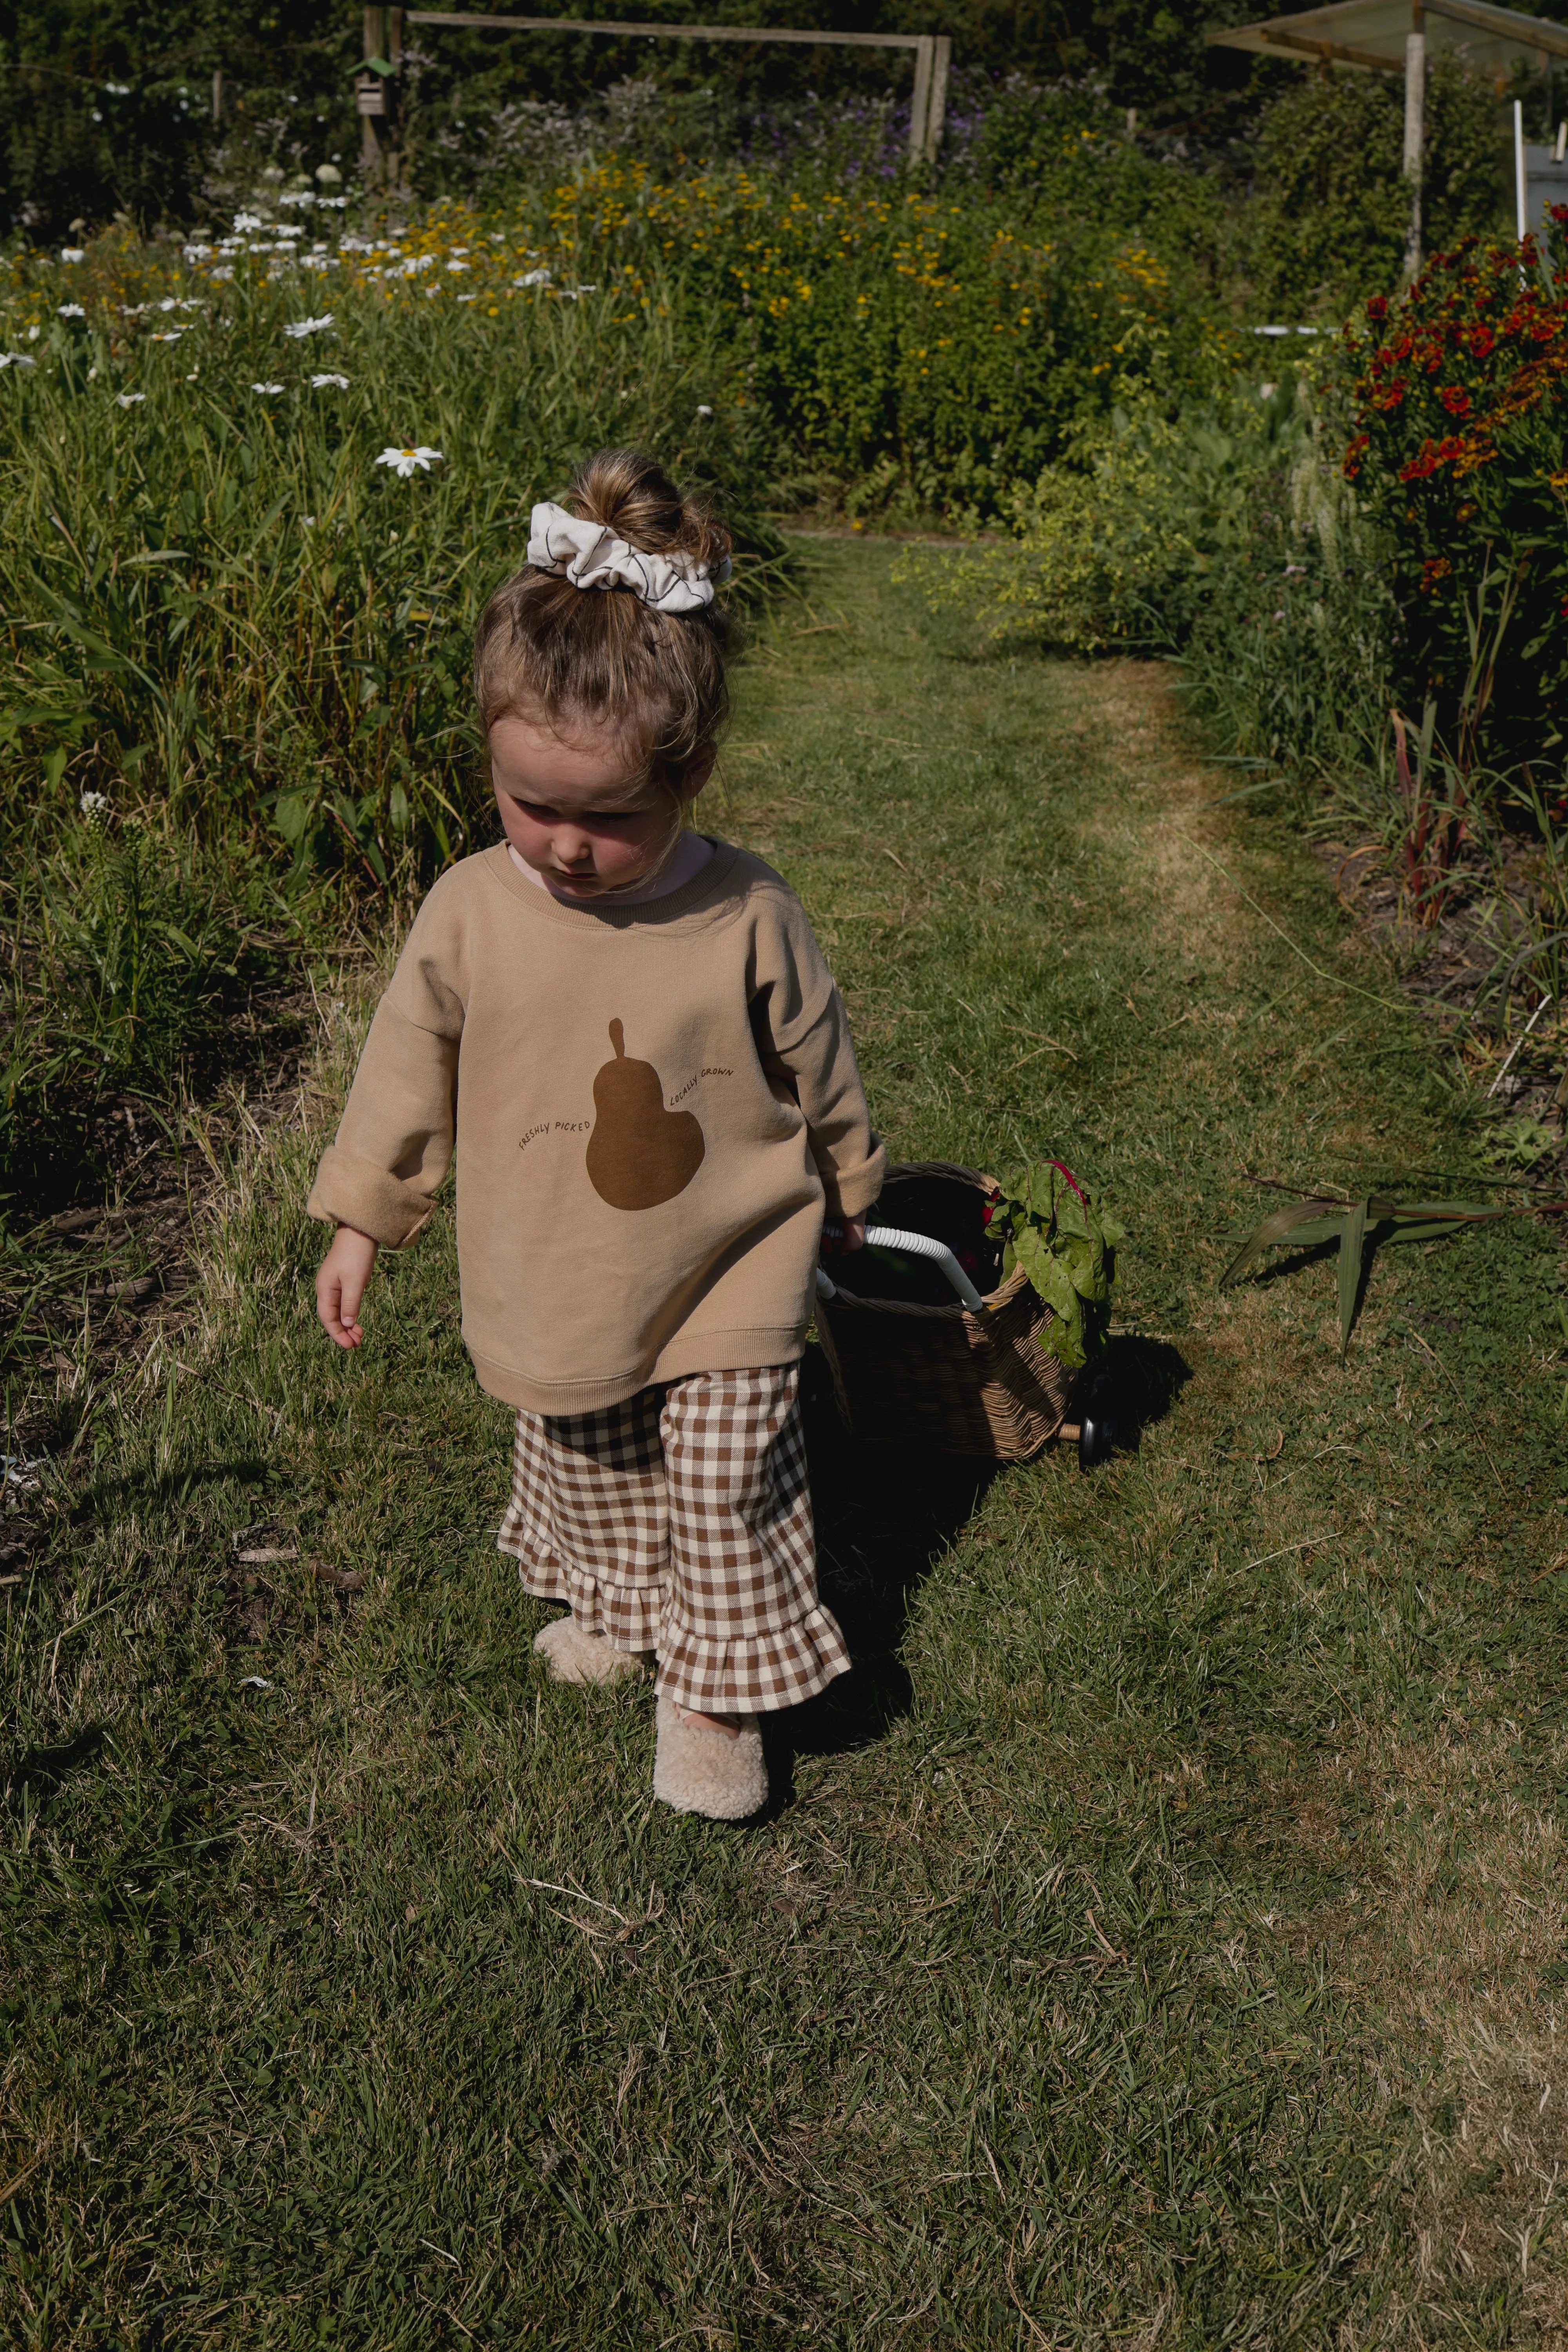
x=639 y=1154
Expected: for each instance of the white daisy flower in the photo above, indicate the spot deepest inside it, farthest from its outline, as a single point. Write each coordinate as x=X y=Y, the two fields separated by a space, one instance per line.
x=338 y=382
x=532 y=277
x=244 y=222
x=267 y=387
x=129 y=399
x=73 y=253
x=403 y=461
x=71 y=310
x=17 y=359
x=703 y=410
x=197 y=252
x=303 y=327
x=221 y=275
x=456 y=265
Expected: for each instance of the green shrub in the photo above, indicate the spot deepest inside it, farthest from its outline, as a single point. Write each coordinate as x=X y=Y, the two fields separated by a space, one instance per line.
x=1130 y=538
x=1329 y=220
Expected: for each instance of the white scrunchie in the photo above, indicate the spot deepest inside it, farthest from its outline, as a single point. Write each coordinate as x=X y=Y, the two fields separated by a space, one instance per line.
x=592 y=557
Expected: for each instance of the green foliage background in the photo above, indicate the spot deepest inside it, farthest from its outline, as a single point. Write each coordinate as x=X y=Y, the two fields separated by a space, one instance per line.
x=1331 y=207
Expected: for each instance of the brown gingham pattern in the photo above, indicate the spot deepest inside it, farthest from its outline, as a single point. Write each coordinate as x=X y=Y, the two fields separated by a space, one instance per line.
x=680 y=1521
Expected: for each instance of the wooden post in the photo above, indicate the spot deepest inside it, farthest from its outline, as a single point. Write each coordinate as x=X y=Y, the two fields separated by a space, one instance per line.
x=217 y=94
x=936 y=115
x=920 y=105
x=1520 y=179
x=1415 y=131
x=393 y=128
x=370 y=125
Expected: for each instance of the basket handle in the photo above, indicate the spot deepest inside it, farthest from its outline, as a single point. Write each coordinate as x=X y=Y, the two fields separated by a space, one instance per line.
x=913 y=1246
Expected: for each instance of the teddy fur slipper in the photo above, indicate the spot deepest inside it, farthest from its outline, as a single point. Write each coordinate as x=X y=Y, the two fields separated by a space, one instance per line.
x=574 y=1656
x=699 y=1770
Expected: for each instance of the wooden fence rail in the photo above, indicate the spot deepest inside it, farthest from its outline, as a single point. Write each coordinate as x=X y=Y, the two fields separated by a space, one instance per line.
x=383 y=57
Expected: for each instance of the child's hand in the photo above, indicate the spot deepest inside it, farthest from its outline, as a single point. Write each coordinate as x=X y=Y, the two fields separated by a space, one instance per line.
x=854 y=1233
x=340 y=1285
x=842 y=1234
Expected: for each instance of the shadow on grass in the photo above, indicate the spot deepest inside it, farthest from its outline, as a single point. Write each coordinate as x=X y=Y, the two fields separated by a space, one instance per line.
x=1142 y=1378
x=108 y=1498
x=884 y=1515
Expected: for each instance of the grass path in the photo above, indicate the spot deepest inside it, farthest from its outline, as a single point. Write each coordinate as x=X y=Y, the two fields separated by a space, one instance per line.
x=1161 y=1939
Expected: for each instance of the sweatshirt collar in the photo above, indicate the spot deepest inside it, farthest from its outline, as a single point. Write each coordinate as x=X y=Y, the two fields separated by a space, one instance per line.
x=702 y=895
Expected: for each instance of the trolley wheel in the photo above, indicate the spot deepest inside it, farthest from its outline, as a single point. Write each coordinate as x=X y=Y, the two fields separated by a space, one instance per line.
x=1097 y=1427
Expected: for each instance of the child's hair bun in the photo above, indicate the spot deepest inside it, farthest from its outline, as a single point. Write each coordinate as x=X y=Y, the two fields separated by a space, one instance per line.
x=587 y=658
x=627 y=493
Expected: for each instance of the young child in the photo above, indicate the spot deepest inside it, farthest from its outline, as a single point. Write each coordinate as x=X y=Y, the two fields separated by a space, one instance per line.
x=629 y=1035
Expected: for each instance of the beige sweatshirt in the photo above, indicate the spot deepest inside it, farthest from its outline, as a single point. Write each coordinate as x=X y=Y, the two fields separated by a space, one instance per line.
x=651 y=1108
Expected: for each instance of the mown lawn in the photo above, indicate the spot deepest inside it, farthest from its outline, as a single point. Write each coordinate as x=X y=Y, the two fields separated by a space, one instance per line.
x=1161 y=1939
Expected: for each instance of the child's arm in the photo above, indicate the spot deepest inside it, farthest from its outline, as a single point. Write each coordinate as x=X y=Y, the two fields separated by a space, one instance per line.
x=377 y=1179
x=341 y=1283
x=803 y=1036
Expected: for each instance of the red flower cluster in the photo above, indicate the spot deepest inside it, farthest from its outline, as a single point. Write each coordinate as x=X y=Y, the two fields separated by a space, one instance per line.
x=1459 y=448
x=1433 y=455
x=1468 y=320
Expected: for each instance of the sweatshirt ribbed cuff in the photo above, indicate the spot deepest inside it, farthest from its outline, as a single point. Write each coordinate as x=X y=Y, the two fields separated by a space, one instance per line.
x=849 y=1193
x=349 y=1191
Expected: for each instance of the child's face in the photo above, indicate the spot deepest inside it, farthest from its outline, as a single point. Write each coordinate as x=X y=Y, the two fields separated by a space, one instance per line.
x=581 y=812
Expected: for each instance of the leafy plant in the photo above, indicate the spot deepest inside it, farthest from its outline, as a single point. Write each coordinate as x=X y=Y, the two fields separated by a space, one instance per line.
x=1524 y=1142
x=1332 y=204
x=1360 y=1227
x=1067 y=1249
x=1126 y=538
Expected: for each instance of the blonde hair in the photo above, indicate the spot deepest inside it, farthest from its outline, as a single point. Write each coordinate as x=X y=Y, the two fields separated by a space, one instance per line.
x=593 y=659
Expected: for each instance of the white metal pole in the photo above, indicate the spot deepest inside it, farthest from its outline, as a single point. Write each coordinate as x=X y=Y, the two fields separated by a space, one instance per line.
x=936 y=113
x=1415 y=138
x=1520 y=194
x=920 y=106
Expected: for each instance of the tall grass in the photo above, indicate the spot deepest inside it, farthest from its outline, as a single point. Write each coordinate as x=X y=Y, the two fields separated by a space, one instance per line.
x=236 y=646
x=222 y=605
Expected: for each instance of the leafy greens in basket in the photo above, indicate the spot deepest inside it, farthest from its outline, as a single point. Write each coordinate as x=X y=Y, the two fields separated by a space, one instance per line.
x=1067 y=1249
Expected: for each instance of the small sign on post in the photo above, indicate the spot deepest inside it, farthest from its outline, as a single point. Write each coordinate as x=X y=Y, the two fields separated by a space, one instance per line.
x=370 y=97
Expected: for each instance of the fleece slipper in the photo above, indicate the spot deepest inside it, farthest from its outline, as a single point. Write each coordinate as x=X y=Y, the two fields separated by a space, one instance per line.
x=574 y=1656
x=699 y=1770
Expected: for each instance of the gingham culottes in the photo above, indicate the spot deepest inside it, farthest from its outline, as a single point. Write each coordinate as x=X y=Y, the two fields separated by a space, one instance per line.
x=680 y=1522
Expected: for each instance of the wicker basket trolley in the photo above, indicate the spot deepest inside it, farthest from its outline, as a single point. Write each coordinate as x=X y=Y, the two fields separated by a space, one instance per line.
x=957 y=1379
